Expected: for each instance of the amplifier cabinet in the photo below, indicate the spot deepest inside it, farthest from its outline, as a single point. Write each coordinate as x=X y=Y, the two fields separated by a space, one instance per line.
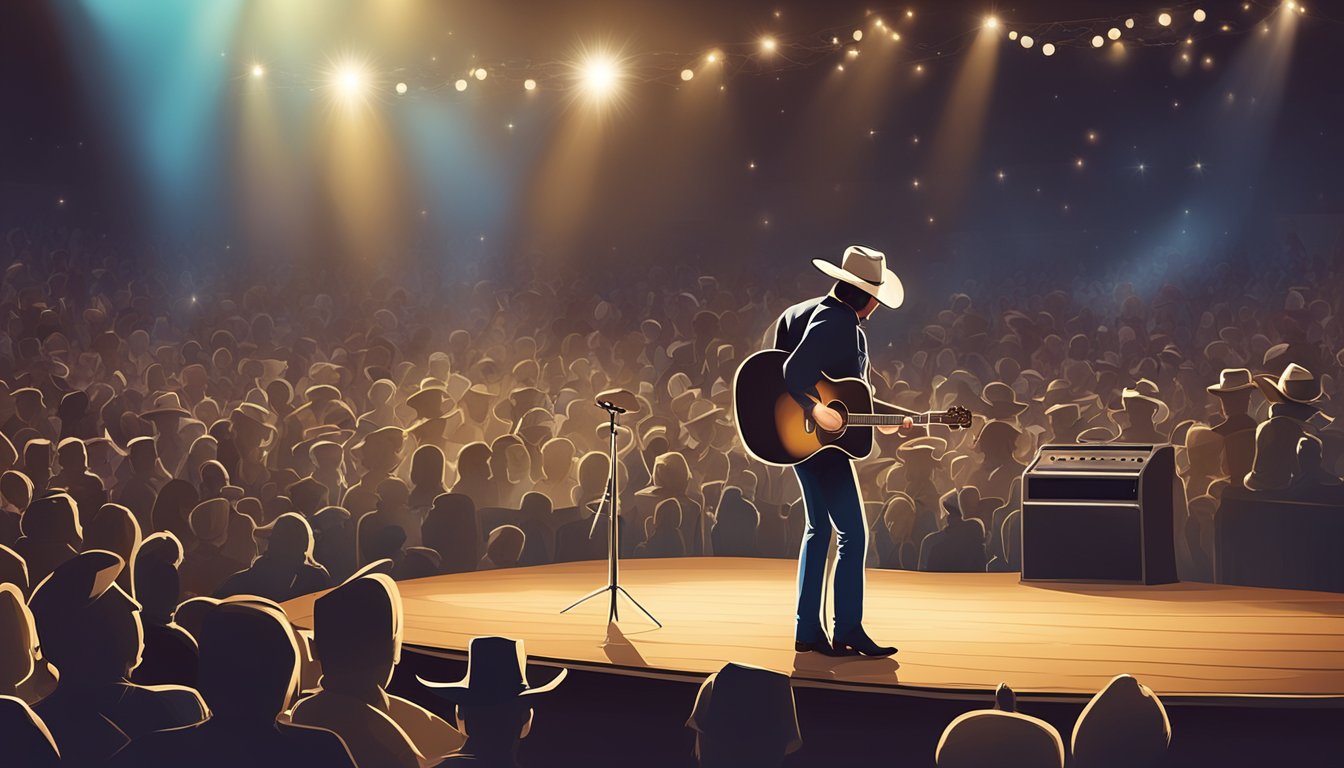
x=1099 y=513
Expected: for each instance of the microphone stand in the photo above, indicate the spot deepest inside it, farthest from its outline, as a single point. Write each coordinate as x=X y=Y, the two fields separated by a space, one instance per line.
x=613 y=536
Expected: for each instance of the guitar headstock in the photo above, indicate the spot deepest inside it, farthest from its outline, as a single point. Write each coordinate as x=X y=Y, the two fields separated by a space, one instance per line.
x=956 y=417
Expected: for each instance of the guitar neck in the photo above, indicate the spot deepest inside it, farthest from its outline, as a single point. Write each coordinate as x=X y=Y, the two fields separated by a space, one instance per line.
x=894 y=419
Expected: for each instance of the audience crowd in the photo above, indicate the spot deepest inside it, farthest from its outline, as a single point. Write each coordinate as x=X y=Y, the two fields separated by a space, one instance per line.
x=181 y=452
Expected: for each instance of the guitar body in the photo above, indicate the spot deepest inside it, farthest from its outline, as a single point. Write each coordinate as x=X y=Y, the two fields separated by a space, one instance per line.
x=774 y=428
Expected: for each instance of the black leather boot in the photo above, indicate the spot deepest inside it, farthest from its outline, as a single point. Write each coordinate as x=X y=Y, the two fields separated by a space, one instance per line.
x=858 y=641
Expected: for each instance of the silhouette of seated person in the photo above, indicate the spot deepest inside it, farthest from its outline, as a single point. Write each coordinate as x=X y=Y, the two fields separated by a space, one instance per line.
x=503 y=548
x=426 y=477
x=13 y=569
x=1293 y=395
x=417 y=563
x=308 y=496
x=493 y=702
x=1143 y=410
x=23 y=673
x=37 y=458
x=170 y=651
x=51 y=534
x=249 y=674
x=1235 y=426
x=206 y=565
x=76 y=479
x=1123 y=726
x=1001 y=737
x=557 y=465
x=665 y=538
x=1313 y=482
x=27 y=740
x=90 y=630
x=1065 y=422
x=334 y=542
x=580 y=539
x=145 y=475
x=453 y=530
x=744 y=715
x=671 y=480
x=1204 y=455
x=357 y=631
x=1275 y=463
x=735 y=525
x=16 y=493
x=536 y=518
x=892 y=532
x=114 y=529
x=473 y=475
x=997 y=445
x=392 y=510
x=959 y=546
x=286 y=569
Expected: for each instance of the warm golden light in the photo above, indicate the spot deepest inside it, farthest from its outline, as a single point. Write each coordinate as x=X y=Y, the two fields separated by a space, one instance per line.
x=350 y=81
x=1098 y=41
x=1113 y=33
x=258 y=70
x=599 y=76
x=1164 y=19
x=1048 y=49
x=1200 y=15
x=1026 y=41
x=769 y=44
x=712 y=58
x=460 y=85
x=858 y=35
x=687 y=74
x=529 y=84
x=991 y=22
x=481 y=74
x=401 y=89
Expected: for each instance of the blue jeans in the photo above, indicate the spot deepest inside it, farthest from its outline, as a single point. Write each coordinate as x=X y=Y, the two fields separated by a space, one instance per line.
x=831 y=495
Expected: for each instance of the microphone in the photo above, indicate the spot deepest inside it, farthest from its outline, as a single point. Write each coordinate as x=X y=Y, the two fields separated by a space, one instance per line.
x=618 y=401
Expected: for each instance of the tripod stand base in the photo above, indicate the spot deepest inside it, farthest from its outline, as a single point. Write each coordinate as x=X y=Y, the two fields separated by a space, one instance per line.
x=613 y=614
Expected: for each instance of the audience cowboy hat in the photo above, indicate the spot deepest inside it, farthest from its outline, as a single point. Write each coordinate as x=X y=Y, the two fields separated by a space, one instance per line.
x=866 y=269
x=1295 y=385
x=496 y=674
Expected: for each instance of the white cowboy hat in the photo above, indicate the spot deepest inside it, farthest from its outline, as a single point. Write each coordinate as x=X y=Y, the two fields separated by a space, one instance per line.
x=866 y=269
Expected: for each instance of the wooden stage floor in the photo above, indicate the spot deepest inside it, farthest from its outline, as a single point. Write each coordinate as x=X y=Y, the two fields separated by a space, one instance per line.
x=959 y=634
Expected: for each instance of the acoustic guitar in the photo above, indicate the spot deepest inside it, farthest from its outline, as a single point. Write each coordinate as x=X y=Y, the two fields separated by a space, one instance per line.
x=775 y=430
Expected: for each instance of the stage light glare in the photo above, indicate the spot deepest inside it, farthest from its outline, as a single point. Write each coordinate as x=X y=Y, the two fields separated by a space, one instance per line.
x=895 y=37
x=687 y=74
x=1098 y=41
x=991 y=22
x=1113 y=33
x=852 y=53
x=1012 y=35
x=460 y=85
x=351 y=80
x=1129 y=23
x=480 y=73
x=712 y=58
x=1026 y=41
x=599 y=76
x=769 y=44
x=258 y=70
x=401 y=89
x=1048 y=49
x=1200 y=15
x=858 y=35
x=1164 y=19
